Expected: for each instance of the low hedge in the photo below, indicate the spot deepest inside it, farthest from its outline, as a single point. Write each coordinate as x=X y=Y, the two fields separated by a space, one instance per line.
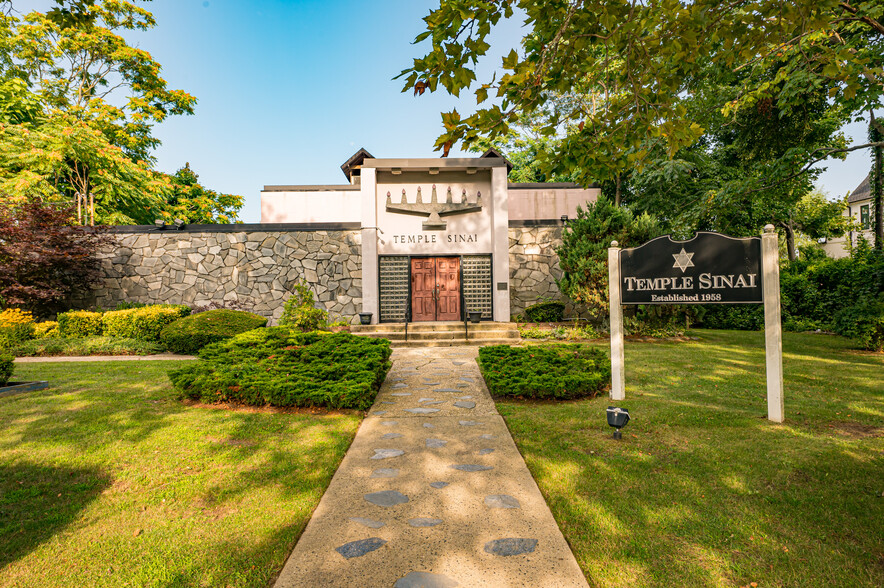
x=190 y=334
x=82 y=346
x=79 y=323
x=6 y=366
x=46 y=329
x=144 y=323
x=282 y=367
x=545 y=312
x=560 y=372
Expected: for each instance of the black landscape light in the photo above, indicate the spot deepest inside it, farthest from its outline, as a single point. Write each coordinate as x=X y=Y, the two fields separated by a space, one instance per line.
x=160 y=224
x=617 y=418
x=179 y=224
x=564 y=219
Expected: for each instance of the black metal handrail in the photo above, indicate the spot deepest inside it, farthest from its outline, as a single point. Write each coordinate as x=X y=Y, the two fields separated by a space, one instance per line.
x=407 y=316
x=464 y=314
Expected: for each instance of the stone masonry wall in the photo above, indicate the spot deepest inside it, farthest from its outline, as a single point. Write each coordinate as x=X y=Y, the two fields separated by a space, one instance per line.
x=534 y=266
x=255 y=271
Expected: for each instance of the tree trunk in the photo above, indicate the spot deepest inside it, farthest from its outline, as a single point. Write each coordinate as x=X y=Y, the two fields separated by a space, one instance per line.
x=617 y=192
x=790 y=240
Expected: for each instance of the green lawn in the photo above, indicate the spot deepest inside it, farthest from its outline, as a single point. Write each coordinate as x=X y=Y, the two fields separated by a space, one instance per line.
x=703 y=490
x=107 y=480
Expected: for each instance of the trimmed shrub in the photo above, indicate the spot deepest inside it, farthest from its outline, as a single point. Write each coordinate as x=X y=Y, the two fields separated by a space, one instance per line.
x=46 y=329
x=50 y=346
x=7 y=365
x=16 y=326
x=546 y=312
x=190 y=334
x=282 y=367
x=79 y=323
x=300 y=312
x=144 y=323
x=560 y=372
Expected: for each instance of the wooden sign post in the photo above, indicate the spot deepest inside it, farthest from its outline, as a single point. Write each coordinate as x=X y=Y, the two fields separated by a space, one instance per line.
x=711 y=268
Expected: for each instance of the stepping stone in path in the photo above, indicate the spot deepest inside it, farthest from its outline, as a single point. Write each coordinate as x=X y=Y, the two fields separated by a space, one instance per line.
x=370 y=523
x=465 y=404
x=360 y=548
x=386 y=453
x=485 y=451
x=438 y=484
x=467 y=379
x=510 y=546
x=422 y=410
x=431 y=383
x=400 y=394
x=379 y=412
x=435 y=443
x=458 y=362
x=398 y=386
x=469 y=423
x=392 y=436
x=429 y=426
x=385 y=473
x=434 y=402
x=425 y=580
x=386 y=498
x=390 y=423
x=501 y=501
x=462 y=385
x=426 y=399
x=387 y=402
x=464 y=397
x=447 y=390
x=470 y=467
x=487 y=436
x=422 y=522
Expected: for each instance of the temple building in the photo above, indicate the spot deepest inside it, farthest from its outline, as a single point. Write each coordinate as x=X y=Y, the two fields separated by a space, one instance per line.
x=404 y=240
x=440 y=236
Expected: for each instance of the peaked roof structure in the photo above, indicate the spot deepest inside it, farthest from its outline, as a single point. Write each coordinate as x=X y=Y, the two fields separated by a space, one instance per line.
x=492 y=152
x=861 y=192
x=355 y=162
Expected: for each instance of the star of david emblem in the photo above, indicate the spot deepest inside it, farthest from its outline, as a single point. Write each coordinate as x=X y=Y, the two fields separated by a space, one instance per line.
x=683 y=260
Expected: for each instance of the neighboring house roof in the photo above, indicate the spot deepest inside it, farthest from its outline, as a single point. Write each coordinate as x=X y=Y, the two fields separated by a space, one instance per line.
x=355 y=161
x=492 y=152
x=862 y=192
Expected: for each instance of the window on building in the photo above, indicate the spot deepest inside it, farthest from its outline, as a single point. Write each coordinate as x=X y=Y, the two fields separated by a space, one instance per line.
x=864 y=216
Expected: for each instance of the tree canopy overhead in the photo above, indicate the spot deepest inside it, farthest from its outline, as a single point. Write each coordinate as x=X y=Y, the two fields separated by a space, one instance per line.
x=634 y=65
x=77 y=109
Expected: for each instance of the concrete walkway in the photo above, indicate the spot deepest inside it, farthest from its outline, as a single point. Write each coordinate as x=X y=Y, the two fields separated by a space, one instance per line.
x=77 y=358
x=432 y=493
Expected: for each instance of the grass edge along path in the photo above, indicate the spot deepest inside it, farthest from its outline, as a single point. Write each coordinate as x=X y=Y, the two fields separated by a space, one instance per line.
x=703 y=490
x=107 y=479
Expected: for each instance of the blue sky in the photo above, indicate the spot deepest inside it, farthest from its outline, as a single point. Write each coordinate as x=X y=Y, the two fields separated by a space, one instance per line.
x=289 y=89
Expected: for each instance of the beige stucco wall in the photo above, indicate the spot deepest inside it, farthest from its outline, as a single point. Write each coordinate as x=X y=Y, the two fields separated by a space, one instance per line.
x=310 y=206
x=548 y=203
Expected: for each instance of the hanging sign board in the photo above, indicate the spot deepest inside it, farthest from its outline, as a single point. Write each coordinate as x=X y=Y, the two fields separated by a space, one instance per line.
x=709 y=269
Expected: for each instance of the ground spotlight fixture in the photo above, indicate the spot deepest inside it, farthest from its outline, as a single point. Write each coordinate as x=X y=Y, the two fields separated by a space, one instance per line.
x=179 y=224
x=160 y=224
x=617 y=418
x=564 y=218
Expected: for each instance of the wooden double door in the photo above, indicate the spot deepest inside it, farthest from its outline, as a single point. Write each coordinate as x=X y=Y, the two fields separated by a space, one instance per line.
x=435 y=289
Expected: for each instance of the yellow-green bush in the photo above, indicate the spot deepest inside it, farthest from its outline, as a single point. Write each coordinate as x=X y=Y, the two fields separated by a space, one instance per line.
x=144 y=324
x=79 y=323
x=16 y=326
x=46 y=329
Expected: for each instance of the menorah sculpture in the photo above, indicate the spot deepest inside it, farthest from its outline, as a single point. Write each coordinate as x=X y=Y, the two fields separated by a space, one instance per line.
x=435 y=209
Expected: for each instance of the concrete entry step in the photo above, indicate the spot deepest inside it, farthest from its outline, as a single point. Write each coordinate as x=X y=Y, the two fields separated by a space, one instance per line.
x=445 y=334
